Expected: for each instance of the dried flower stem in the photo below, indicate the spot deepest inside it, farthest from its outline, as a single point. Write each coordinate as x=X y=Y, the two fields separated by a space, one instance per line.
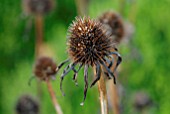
x=103 y=94
x=53 y=97
x=38 y=44
x=122 y=4
x=114 y=93
x=82 y=7
x=39 y=34
x=115 y=98
x=132 y=12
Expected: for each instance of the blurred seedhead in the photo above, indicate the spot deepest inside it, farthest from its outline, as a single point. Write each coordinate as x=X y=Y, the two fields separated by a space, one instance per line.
x=89 y=45
x=38 y=6
x=114 y=25
x=27 y=105
x=36 y=9
x=142 y=101
x=45 y=68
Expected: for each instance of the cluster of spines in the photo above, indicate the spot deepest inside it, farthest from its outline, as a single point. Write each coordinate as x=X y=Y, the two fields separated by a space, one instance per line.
x=87 y=41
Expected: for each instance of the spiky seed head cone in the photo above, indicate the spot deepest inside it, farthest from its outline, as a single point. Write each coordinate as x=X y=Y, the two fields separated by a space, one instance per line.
x=45 y=68
x=114 y=25
x=38 y=6
x=27 y=105
x=88 y=42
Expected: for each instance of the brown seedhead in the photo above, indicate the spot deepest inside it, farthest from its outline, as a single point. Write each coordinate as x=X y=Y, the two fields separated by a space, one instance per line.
x=27 y=105
x=45 y=68
x=142 y=100
x=88 y=45
x=114 y=25
x=87 y=41
x=38 y=6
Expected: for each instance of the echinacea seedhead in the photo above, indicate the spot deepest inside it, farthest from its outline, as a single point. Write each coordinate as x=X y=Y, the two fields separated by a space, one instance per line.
x=114 y=25
x=87 y=41
x=27 y=105
x=38 y=6
x=89 y=45
x=45 y=68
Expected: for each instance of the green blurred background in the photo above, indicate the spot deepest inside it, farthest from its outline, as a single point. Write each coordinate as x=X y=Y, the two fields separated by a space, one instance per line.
x=145 y=56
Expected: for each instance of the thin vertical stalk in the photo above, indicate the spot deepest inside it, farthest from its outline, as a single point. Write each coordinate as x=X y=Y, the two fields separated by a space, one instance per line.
x=82 y=7
x=122 y=4
x=39 y=34
x=38 y=44
x=132 y=12
x=114 y=92
x=115 y=97
x=53 y=97
x=102 y=94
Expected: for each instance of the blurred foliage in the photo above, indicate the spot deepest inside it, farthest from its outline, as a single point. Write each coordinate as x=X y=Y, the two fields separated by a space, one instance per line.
x=145 y=57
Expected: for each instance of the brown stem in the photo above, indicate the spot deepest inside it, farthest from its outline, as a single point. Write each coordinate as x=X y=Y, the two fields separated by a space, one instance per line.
x=38 y=44
x=132 y=12
x=82 y=6
x=39 y=34
x=53 y=97
x=102 y=94
x=115 y=98
x=122 y=4
x=113 y=91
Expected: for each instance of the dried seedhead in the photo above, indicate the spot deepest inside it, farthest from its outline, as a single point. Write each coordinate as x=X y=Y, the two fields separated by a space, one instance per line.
x=142 y=101
x=114 y=25
x=45 y=68
x=38 y=6
x=89 y=45
x=27 y=105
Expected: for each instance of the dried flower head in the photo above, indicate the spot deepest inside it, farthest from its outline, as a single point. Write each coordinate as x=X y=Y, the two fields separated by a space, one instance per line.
x=27 y=105
x=45 y=68
x=142 y=101
x=114 y=25
x=88 y=45
x=38 y=6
